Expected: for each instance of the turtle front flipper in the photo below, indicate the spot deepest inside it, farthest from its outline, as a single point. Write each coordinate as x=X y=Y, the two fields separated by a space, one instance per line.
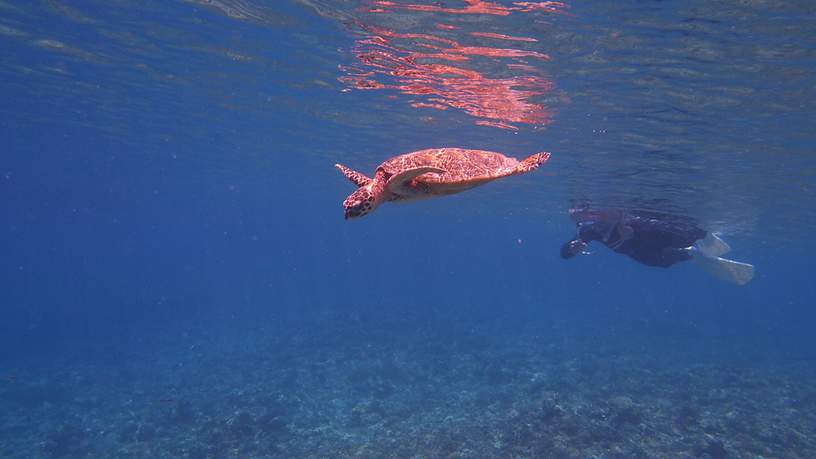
x=356 y=177
x=400 y=184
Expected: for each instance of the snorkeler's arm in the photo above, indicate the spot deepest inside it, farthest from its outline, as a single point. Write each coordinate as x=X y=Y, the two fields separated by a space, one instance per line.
x=624 y=233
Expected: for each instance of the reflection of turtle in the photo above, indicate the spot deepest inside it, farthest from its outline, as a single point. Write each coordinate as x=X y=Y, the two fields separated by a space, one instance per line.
x=429 y=173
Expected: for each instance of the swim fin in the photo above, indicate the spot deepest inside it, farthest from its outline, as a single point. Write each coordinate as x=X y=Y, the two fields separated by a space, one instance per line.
x=712 y=245
x=722 y=268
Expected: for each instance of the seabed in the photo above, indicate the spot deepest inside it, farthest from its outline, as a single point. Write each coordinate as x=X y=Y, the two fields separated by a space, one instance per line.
x=408 y=386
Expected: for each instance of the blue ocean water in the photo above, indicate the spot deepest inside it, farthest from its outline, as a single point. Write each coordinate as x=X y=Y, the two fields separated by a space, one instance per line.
x=178 y=278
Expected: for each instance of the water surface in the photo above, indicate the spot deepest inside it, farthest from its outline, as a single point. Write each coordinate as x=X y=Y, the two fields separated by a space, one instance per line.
x=178 y=279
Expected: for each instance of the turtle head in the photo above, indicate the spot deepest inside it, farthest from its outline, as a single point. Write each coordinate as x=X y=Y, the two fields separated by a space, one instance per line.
x=367 y=197
x=359 y=203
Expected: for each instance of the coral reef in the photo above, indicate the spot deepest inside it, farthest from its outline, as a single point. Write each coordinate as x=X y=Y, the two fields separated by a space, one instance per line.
x=405 y=387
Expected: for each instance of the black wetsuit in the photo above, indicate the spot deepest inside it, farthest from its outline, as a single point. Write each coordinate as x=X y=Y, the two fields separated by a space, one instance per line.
x=651 y=239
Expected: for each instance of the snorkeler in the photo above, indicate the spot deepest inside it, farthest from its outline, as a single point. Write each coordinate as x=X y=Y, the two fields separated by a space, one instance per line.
x=655 y=240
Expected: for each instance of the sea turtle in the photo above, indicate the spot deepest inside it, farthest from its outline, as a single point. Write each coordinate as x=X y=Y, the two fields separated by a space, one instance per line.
x=429 y=173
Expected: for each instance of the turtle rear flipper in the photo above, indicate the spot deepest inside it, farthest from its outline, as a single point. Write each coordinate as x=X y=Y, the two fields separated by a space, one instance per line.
x=532 y=162
x=400 y=183
x=357 y=178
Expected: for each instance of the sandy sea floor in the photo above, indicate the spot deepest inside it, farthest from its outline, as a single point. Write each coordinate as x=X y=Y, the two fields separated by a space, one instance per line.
x=357 y=386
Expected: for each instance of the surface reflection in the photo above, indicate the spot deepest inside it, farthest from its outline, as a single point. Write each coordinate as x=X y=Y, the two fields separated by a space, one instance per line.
x=478 y=7
x=444 y=69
